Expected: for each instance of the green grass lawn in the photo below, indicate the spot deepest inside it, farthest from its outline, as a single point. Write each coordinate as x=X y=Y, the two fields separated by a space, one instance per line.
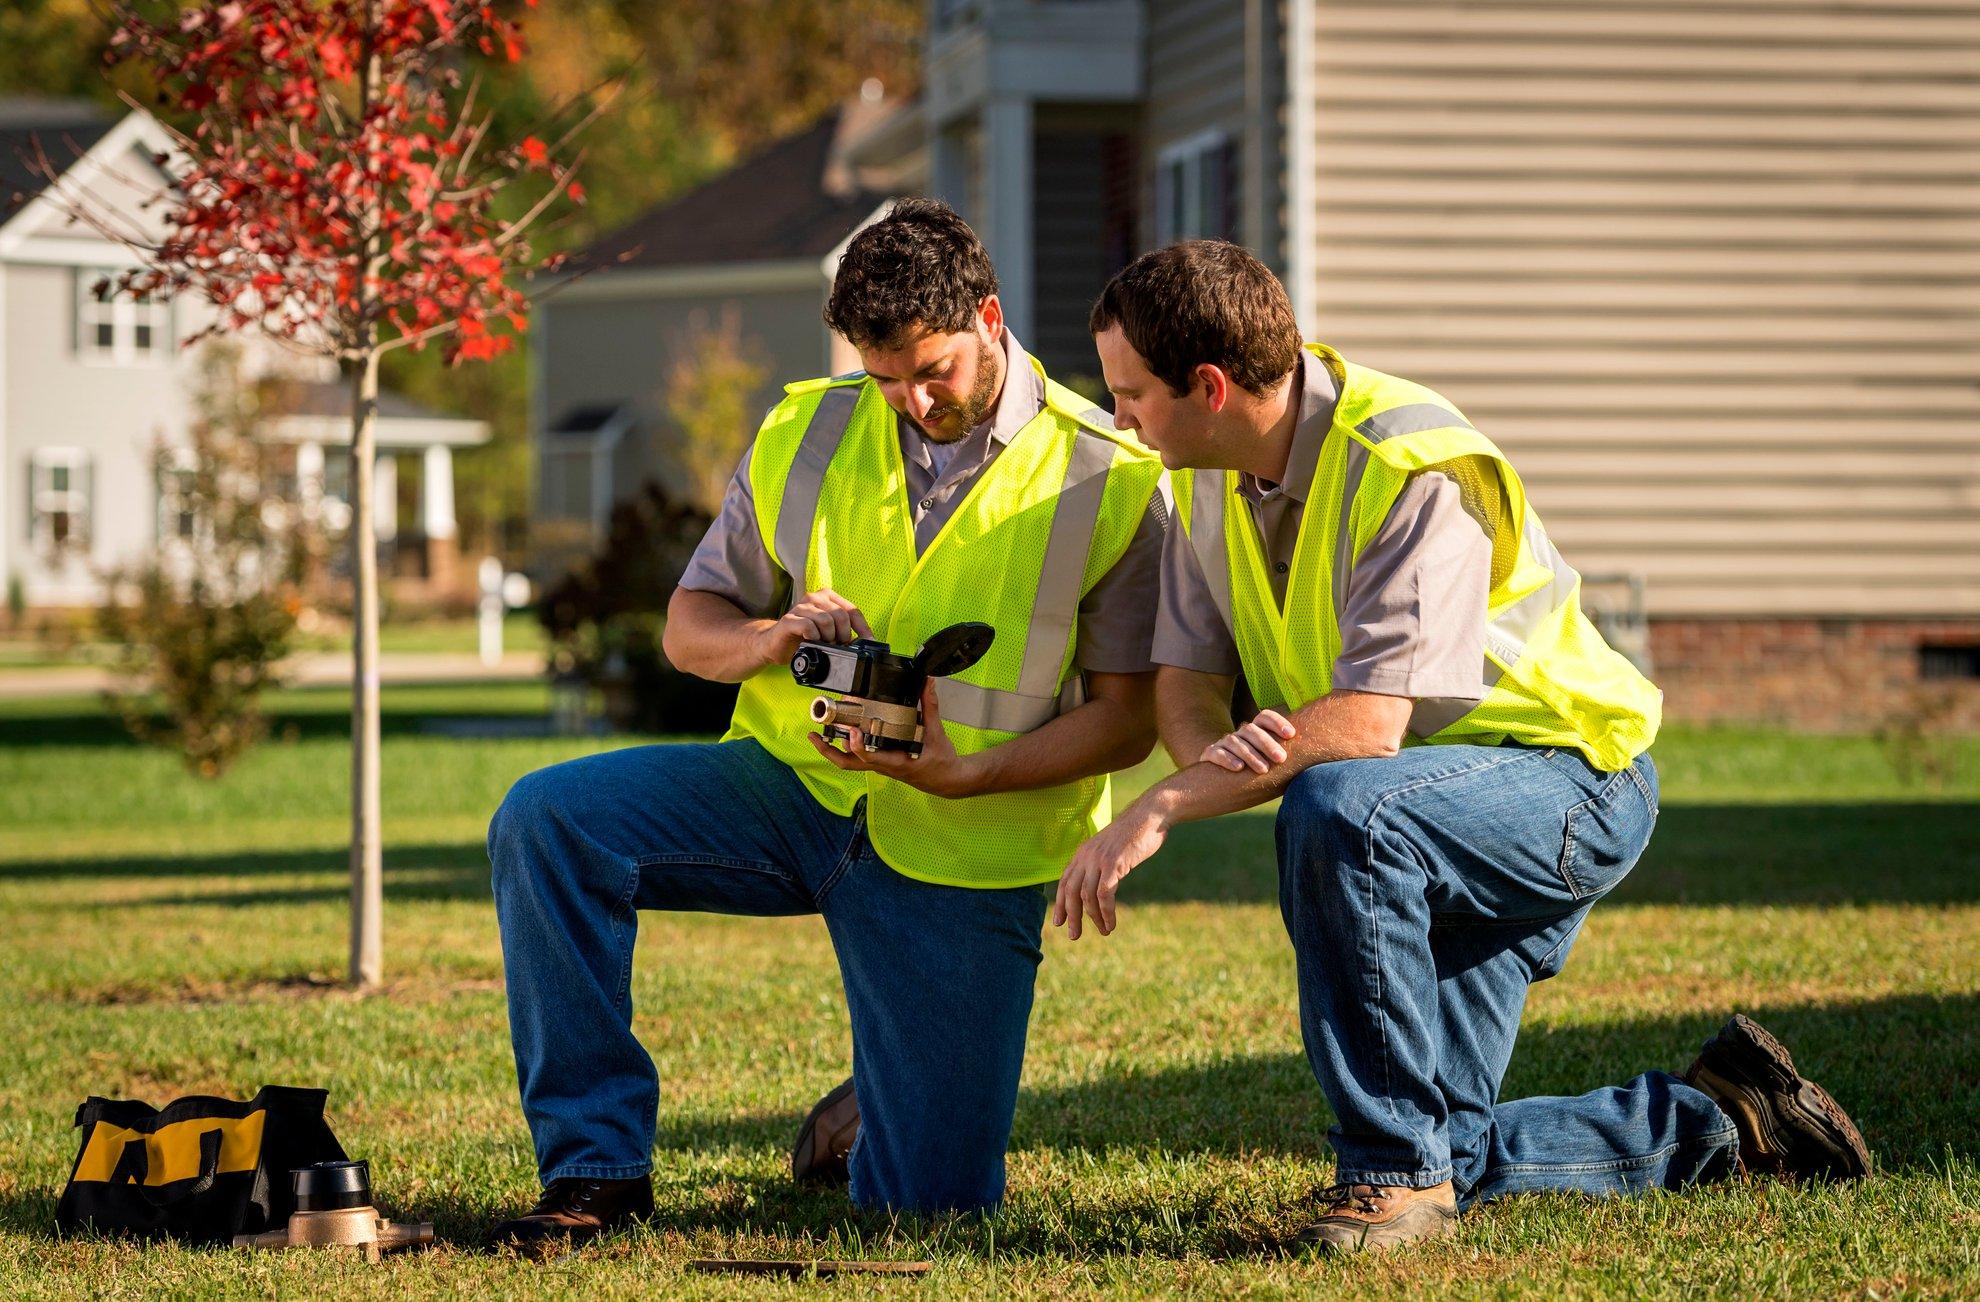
x=164 y=936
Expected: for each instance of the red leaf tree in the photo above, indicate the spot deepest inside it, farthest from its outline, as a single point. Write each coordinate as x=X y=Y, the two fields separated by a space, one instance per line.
x=338 y=190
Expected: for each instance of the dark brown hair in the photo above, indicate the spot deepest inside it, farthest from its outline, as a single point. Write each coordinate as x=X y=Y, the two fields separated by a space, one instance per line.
x=919 y=267
x=1203 y=301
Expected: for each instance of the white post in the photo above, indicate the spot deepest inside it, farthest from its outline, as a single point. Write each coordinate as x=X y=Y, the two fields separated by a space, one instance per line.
x=436 y=494
x=490 y=575
x=385 y=478
x=1007 y=137
x=309 y=476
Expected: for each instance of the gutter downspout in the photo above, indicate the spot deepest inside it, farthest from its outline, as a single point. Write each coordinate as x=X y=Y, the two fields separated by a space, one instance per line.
x=1255 y=230
x=1301 y=184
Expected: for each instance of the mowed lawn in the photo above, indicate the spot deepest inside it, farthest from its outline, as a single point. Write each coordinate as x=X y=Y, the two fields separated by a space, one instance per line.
x=162 y=936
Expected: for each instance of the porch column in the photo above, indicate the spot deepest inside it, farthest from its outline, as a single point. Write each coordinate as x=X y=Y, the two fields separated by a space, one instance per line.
x=309 y=476
x=1007 y=203
x=436 y=515
x=385 y=496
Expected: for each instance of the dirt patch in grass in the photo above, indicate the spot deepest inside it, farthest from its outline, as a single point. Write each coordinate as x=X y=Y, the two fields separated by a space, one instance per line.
x=194 y=990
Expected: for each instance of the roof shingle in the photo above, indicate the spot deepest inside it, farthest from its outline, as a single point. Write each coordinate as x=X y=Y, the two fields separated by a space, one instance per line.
x=776 y=204
x=64 y=128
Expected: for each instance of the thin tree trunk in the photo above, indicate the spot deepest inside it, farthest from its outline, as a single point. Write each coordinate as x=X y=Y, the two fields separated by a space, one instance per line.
x=367 y=836
x=367 y=846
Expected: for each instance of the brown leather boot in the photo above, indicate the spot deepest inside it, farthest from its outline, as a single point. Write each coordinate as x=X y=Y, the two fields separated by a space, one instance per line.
x=1368 y=1217
x=575 y=1211
x=825 y=1140
x=1788 y=1125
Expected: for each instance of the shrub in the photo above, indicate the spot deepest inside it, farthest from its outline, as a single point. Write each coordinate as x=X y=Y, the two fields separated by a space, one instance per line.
x=201 y=625
x=606 y=615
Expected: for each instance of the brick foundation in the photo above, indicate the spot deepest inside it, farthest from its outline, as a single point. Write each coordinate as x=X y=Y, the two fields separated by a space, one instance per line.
x=1832 y=674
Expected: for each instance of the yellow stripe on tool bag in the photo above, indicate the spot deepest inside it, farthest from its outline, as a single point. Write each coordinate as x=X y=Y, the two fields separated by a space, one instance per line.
x=173 y=1152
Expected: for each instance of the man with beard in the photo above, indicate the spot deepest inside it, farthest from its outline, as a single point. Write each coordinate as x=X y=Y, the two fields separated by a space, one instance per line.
x=949 y=481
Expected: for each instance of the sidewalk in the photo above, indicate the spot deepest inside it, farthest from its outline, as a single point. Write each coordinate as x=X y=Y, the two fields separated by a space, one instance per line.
x=311 y=669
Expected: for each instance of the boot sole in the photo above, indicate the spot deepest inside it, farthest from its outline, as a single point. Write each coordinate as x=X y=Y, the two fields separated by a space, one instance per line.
x=806 y=1166
x=1799 y=1129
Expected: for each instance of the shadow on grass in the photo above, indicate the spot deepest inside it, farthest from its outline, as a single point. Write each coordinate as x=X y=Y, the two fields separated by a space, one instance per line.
x=1907 y=1068
x=464 y=865
x=25 y=725
x=1700 y=855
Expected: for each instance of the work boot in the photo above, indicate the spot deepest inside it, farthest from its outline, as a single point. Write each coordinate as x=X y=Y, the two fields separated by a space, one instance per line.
x=574 y=1211
x=825 y=1140
x=1367 y=1217
x=1788 y=1125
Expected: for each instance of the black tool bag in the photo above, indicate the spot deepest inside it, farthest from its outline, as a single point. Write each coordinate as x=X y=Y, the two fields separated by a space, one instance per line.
x=201 y=1168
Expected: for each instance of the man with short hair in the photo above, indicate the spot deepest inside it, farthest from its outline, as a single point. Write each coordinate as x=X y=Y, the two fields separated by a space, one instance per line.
x=950 y=481
x=1462 y=761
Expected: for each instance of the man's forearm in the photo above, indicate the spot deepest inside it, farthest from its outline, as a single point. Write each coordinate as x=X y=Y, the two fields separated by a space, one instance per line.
x=1192 y=709
x=1338 y=726
x=1100 y=736
x=709 y=637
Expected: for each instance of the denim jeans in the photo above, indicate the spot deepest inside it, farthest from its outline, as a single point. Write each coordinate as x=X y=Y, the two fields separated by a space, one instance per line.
x=1424 y=893
x=938 y=979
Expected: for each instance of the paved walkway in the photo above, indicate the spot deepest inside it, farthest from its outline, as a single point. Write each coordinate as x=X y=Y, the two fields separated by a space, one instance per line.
x=311 y=669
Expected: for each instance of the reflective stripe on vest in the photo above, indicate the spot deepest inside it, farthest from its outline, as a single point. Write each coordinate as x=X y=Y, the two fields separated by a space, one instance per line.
x=806 y=479
x=1577 y=691
x=1049 y=514
x=1038 y=698
x=1506 y=633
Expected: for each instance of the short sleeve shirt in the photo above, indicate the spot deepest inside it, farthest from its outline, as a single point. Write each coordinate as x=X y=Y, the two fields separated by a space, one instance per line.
x=1413 y=618
x=1116 y=618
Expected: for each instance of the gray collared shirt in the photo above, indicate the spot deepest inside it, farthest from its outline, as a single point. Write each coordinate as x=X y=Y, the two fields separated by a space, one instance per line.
x=1413 y=622
x=1116 y=618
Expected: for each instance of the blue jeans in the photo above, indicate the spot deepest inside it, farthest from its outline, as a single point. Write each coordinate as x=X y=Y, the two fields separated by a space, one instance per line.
x=938 y=979
x=1424 y=893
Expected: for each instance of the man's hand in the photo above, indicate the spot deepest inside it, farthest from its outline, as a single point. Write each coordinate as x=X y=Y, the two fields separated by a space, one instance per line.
x=938 y=771
x=1257 y=745
x=1097 y=867
x=821 y=616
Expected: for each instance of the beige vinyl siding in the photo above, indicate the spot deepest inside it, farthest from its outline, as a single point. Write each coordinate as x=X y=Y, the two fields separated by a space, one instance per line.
x=1709 y=272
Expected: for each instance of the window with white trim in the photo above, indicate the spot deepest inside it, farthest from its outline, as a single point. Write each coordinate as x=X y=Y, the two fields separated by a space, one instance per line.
x=117 y=328
x=1196 y=189
x=58 y=501
x=178 y=520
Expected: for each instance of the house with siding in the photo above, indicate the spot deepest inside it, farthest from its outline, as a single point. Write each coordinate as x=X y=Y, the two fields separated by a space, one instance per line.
x=1709 y=271
x=751 y=253
x=89 y=387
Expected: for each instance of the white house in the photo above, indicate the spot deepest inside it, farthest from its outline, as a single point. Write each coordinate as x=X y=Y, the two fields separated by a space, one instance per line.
x=89 y=388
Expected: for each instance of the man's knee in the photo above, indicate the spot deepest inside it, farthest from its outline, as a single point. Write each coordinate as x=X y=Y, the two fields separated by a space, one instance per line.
x=534 y=803
x=1323 y=822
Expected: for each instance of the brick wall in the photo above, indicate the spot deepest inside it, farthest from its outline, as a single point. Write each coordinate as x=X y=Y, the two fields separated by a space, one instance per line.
x=1808 y=673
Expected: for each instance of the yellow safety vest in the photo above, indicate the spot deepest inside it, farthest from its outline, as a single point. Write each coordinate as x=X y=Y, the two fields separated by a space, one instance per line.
x=1051 y=514
x=1553 y=681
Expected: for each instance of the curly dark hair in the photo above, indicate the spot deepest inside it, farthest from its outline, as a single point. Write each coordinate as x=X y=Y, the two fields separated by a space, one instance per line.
x=919 y=267
x=1203 y=301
